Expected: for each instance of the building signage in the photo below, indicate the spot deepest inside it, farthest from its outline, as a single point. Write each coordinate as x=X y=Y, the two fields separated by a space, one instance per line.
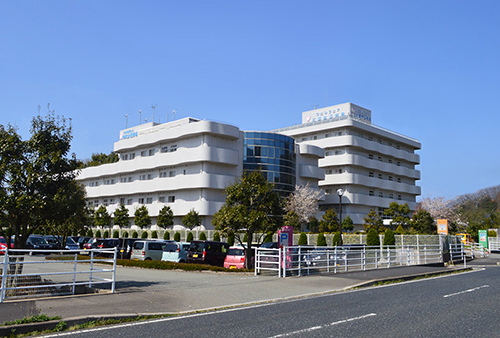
x=442 y=225
x=337 y=112
x=128 y=134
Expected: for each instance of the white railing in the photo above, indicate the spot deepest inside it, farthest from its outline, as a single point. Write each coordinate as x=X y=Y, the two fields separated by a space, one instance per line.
x=494 y=243
x=42 y=273
x=306 y=260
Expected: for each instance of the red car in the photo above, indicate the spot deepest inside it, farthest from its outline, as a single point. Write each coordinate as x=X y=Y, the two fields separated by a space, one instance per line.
x=3 y=245
x=235 y=258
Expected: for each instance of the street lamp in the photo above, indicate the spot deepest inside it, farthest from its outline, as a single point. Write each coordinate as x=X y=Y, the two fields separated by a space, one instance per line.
x=340 y=192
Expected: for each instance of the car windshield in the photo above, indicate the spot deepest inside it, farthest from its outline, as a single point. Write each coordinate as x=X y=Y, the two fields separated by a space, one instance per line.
x=38 y=240
x=70 y=240
x=2 y=240
x=198 y=246
x=236 y=252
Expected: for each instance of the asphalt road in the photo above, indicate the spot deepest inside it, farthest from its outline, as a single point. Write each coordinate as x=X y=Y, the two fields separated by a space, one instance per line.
x=459 y=305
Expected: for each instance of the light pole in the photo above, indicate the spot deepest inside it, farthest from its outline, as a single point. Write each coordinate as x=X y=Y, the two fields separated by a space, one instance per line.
x=340 y=192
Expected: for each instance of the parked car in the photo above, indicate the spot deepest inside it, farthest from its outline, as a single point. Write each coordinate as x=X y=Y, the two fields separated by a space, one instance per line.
x=145 y=250
x=175 y=252
x=235 y=258
x=54 y=241
x=82 y=241
x=125 y=247
x=3 y=245
x=89 y=243
x=109 y=243
x=37 y=242
x=269 y=245
x=207 y=252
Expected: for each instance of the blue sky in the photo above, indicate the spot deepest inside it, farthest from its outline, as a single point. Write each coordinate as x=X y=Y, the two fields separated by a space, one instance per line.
x=426 y=69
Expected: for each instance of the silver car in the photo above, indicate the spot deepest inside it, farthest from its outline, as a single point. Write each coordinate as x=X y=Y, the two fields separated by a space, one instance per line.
x=148 y=250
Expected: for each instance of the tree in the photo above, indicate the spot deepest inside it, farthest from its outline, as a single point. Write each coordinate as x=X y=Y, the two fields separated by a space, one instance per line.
x=302 y=239
x=252 y=206
x=32 y=173
x=141 y=218
x=216 y=237
x=101 y=217
x=98 y=159
x=389 y=237
x=329 y=222
x=399 y=213
x=372 y=238
x=292 y=220
x=373 y=221
x=313 y=224
x=336 y=239
x=165 y=217
x=121 y=216
x=304 y=202
x=192 y=219
x=347 y=224
x=423 y=223
x=189 y=237
x=321 y=241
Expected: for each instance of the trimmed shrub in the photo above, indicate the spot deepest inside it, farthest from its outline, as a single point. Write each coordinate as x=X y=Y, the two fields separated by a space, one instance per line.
x=372 y=238
x=492 y=233
x=302 y=239
x=98 y=234
x=389 y=237
x=177 y=236
x=245 y=238
x=321 y=240
x=135 y=234
x=216 y=237
x=116 y=234
x=144 y=235
x=189 y=238
x=203 y=237
x=90 y=233
x=125 y=235
x=336 y=239
x=166 y=235
x=106 y=234
x=154 y=234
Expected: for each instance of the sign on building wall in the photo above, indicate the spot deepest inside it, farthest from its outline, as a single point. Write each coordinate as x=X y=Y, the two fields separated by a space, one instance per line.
x=442 y=226
x=337 y=112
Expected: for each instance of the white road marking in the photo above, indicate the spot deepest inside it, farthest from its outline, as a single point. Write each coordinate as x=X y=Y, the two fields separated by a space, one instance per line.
x=465 y=291
x=313 y=328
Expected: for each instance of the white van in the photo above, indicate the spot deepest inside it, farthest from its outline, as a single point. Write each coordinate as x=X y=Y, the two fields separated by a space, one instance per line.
x=148 y=250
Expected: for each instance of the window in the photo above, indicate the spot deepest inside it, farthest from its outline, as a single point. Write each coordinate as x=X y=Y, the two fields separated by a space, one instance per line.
x=161 y=199
x=370 y=156
x=125 y=157
x=150 y=176
x=370 y=174
x=143 y=153
x=389 y=160
x=132 y=156
x=112 y=201
x=171 y=199
x=122 y=200
x=151 y=152
x=141 y=200
x=173 y=148
x=142 y=177
x=129 y=201
x=163 y=174
x=399 y=179
x=380 y=176
x=399 y=197
x=123 y=179
x=390 y=178
x=380 y=158
x=371 y=193
x=171 y=173
x=380 y=194
x=105 y=203
x=391 y=196
x=130 y=179
x=398 y=163
x=149 y=200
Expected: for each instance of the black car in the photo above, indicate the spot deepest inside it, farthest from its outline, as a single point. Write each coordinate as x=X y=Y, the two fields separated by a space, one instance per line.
x=37 y=242
x=207 y=252
x=125 y=247
x=110 y=243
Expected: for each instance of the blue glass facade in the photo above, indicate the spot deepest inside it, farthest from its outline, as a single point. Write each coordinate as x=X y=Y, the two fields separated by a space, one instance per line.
x=274 y=155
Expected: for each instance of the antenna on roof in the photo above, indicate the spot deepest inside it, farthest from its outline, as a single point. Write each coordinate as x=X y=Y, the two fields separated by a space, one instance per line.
x=173 y=112
x=316 y=106
x=140 y=116
x=126 y=121
x=154 y=110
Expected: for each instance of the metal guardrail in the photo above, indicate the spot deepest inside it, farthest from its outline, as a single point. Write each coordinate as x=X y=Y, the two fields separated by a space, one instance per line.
x=41 y=273
x=305 y=260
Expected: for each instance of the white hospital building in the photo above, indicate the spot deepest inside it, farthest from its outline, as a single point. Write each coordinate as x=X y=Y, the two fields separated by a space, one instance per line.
x=188 y=163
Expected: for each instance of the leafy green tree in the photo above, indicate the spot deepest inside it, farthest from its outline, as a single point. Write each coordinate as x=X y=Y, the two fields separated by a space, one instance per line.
x=189 y=237
x=399 y=213
x=125 y=234
x=165 y=217
x=347 y=224
x=252 y=206
x=321 y=241
x=177 y=236
x=144 y=235
x=203 y=237
x=121 y=216
x=192 y=219
x=106 y=234
x=102 y=218
x=372 y=238
x=166 y=235
x=389 y=237
x=423 y=223
x=216 y=237
x=154 y=234
x=141 y=218
x=373 y=221
x=336 y=239
x=116 y=234
x=329 y=221
x=292 y=220
x=230 y=239
x=32 y=173
x=135 y=234
x=313 y=225
x=98 y=159
x=399 y=230
x=98 y=234
x=302 y=239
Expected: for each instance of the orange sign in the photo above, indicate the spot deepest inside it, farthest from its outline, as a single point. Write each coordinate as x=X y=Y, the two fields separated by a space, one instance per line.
x=442 y=225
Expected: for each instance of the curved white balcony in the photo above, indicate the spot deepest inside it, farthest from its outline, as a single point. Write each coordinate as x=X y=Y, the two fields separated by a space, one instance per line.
x=351 y=159
x=372 y=182
x=311 y=171
x=311 y=150
x=359 y=199
x=179 y=182
x=179 y=208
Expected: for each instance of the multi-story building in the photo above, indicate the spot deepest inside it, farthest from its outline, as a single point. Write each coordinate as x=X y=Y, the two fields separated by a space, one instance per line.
x=187 y=164
x=373 y=166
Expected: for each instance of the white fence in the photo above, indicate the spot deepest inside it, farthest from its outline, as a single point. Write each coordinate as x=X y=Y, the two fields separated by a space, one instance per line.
x=35 y=273
x=494 y=243
x=305 y=260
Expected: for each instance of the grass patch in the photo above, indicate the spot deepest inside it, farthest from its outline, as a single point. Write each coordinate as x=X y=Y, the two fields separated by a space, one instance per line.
x=393 y=281
x=32 y=319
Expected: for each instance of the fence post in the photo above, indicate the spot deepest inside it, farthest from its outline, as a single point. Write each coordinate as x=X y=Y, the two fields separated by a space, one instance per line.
x=300 y=258
x=376 y=257
x=408 y=255
x=4 y=274
x=335 y=261
x=74 y=273
x=463 y=255
x=327 y=260
x=114 y=270
x=257 y=262
x=91 y=267
x=280 y=253
x=364 y=258
x=388 y=256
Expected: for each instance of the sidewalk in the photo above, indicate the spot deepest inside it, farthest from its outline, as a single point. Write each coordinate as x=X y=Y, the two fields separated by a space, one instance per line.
x=141 y=291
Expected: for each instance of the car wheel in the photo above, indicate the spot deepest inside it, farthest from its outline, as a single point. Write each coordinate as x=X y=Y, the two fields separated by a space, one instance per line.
x=182 y=261
x=147 y=259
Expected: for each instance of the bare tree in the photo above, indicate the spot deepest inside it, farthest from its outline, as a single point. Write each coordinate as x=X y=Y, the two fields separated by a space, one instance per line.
x=438 y=207
x=304 y=202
